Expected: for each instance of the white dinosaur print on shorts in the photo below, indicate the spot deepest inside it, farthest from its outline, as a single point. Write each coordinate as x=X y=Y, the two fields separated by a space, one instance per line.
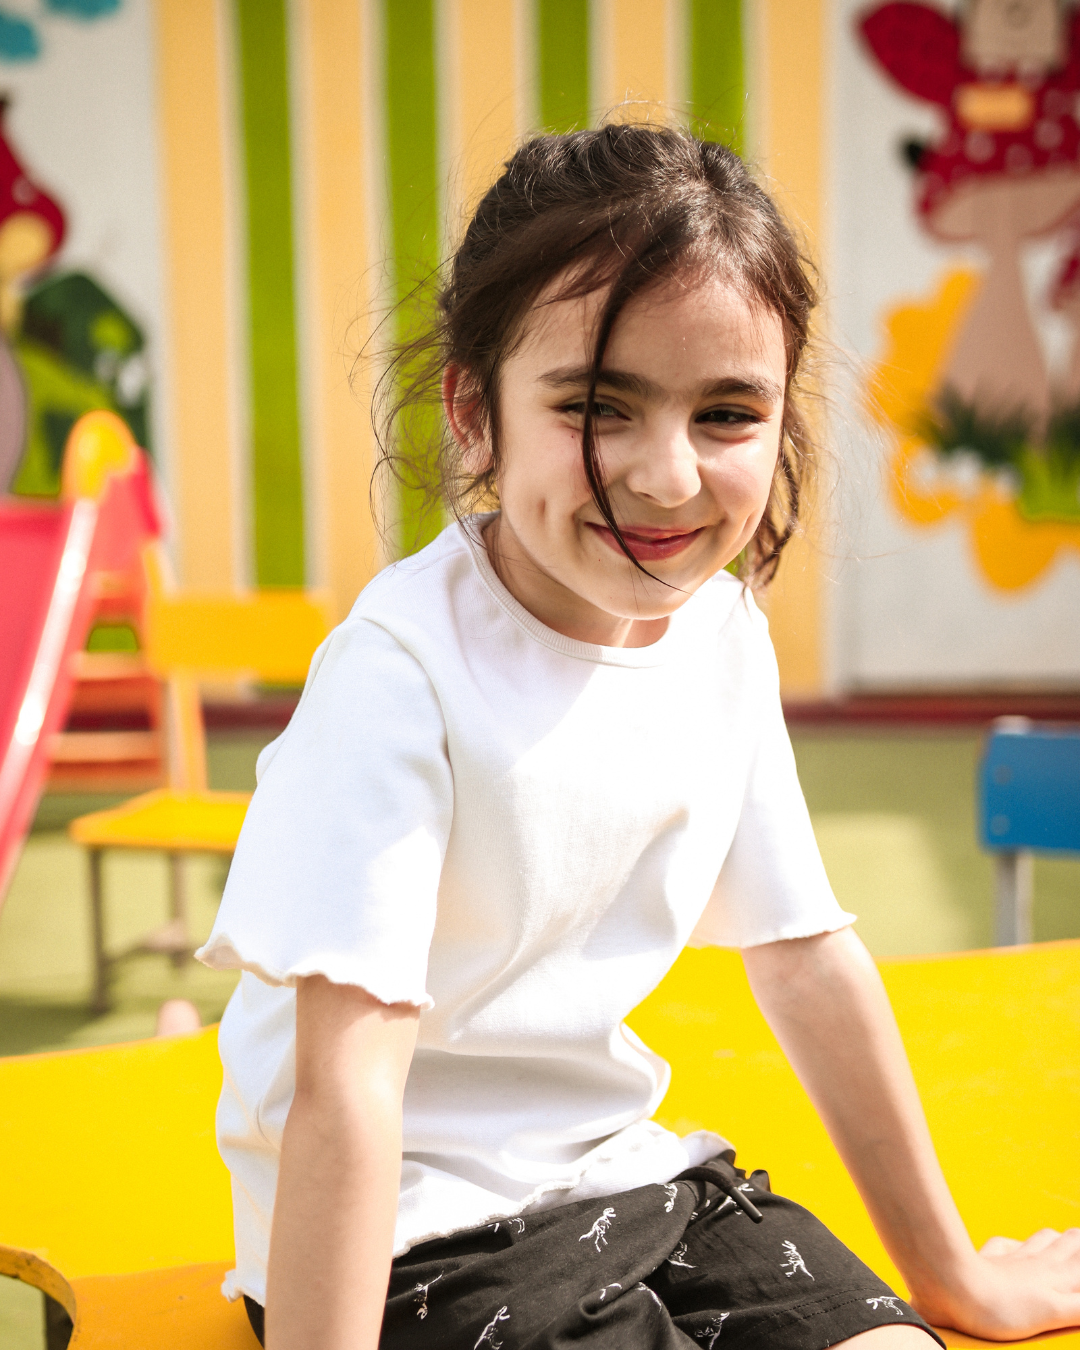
x=713 y=1331
x=672 y=1194
x=517 y=1224
x=598 y=1232
x=487 y=1336
x=886 y=1301
x=651 y=1293
x=420 y=1291
x=678 y=1258
x=793 y=1260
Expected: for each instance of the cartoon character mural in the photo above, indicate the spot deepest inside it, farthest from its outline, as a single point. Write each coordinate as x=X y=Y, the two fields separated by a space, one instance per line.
x=983 y=427
x=31 y=232
x=66 y=347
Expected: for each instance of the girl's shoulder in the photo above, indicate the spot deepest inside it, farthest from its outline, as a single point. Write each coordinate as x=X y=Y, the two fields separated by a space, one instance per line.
x=726 y=605
x=426 y=578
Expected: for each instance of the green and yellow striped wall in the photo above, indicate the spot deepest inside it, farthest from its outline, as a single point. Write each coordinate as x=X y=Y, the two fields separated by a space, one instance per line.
x=319 y=156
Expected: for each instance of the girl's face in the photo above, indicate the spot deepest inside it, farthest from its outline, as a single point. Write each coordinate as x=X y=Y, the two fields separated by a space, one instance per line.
x=688 y=420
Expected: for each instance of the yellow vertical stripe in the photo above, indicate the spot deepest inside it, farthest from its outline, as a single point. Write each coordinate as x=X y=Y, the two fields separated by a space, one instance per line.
x=790 y=144
x=486 y=85
x=197 y=280
x=638 y=68
x=793 y=62
x=330 y=62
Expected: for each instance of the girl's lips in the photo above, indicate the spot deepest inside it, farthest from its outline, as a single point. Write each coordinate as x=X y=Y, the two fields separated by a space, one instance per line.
x=646 y=543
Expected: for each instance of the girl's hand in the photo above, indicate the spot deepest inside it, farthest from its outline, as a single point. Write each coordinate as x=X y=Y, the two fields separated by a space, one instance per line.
x=1013 y=1289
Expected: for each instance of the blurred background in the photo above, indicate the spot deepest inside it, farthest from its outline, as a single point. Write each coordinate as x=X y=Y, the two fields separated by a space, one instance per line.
x=206 y=205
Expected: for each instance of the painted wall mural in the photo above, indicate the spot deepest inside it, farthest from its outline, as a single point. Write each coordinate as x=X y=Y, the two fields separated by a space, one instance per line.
x=67 y=344
x=968 y=313
x=21 y=35
x=1004 y=169
x=66 y=347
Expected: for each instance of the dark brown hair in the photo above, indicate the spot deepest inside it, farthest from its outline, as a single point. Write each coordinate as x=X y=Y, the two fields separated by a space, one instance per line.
x=623 y=207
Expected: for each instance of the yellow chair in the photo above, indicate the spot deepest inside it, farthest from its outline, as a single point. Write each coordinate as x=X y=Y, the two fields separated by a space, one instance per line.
x=267 y=635
x=114 y=1201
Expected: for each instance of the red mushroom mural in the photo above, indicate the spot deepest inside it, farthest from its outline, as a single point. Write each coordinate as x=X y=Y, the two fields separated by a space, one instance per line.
x=1004 y=171
x=31 y=232
x=66 y=346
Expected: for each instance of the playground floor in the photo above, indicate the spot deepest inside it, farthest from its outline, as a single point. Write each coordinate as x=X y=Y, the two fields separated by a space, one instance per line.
x=894 y=813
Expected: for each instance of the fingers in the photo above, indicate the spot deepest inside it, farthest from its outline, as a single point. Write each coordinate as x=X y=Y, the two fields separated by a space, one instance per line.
x=1038 y=1242
x=1067 y=1248
x=999 y=1246
x=1064 y=1247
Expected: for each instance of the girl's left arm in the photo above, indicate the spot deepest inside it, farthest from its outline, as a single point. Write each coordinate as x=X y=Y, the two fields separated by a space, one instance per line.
x=825 y=1002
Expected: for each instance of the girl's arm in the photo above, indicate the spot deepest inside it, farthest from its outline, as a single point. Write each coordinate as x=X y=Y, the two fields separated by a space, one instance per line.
x=337 y=1191
x=826 y=1004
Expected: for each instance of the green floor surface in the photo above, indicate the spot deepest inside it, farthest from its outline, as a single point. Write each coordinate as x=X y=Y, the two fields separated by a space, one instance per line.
x=22 y=1316
x=45 y=941
x=895 y=820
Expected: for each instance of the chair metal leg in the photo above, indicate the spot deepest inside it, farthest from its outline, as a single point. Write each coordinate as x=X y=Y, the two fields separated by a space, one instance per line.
x=99 y=1001
x=1014 y=882
x=178 y=899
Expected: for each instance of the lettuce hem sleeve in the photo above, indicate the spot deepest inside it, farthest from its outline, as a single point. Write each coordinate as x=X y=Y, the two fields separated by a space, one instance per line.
x=787 y=932
x=388 y=987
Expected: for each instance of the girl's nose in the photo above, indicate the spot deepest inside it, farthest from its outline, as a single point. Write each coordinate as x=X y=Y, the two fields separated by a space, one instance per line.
x=666 y=468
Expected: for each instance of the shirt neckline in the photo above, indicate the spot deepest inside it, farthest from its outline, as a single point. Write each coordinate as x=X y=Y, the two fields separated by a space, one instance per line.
x=655 y=654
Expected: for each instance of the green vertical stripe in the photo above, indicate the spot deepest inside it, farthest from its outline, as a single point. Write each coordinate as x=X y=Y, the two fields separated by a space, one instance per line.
x=412 y=145
x=717 y=79
x=278 y=488
x=563 y=38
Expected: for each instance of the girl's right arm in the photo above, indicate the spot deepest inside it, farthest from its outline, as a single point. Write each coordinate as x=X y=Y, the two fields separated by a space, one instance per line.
x=337 y=1192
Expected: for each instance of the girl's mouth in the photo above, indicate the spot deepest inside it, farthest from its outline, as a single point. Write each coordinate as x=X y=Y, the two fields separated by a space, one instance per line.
x=648 y=544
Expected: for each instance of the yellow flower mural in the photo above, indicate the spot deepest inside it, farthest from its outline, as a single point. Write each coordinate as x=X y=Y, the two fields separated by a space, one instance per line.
x=1020 y=500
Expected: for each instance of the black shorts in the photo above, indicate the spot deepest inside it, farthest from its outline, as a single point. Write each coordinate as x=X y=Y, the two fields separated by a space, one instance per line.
x=654 y=1268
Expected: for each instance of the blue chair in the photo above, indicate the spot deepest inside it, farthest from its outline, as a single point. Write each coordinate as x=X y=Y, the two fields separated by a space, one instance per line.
x=1029 y=802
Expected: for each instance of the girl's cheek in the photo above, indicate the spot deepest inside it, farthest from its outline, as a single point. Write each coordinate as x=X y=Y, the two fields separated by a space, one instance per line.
x=738 y=485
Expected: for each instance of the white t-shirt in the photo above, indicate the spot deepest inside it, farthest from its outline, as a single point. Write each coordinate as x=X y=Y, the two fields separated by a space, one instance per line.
x=518 y=833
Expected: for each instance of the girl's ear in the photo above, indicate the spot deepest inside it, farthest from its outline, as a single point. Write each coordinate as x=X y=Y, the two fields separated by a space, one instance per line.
x=461 y=406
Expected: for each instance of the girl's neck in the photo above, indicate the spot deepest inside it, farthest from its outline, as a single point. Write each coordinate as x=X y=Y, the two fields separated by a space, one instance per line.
x=553 y=604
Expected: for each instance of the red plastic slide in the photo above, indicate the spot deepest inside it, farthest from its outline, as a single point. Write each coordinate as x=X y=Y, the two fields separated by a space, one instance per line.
x=51 y=557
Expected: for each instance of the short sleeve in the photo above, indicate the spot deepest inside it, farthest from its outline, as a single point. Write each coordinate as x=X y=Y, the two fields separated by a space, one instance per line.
x=337 y=867
x=772 y=884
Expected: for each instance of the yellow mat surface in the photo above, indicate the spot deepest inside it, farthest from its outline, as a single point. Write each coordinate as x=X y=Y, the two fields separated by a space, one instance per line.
x=114 y=1198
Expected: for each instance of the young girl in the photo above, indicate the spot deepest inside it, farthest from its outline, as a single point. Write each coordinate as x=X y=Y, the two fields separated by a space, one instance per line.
x=539 y=758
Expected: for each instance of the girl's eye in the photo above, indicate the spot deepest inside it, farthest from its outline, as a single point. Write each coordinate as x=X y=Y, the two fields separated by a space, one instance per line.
x=729 y=417
x=599 y=409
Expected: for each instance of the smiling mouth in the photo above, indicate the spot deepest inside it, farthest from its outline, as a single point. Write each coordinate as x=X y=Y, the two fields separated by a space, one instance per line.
x=648 y=544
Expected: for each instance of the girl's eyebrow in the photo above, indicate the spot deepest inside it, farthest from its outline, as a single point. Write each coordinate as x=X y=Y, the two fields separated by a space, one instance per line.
x=626 y=382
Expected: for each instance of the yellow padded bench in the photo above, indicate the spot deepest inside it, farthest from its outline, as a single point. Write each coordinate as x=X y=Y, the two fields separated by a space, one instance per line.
x=114 y=1201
